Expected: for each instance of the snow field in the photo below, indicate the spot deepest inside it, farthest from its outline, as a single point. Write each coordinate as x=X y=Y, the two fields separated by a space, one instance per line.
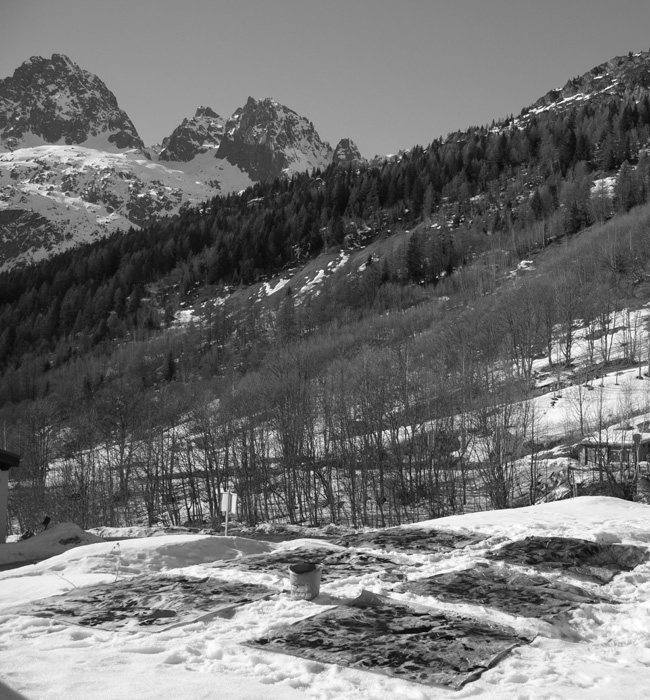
x=605 y=653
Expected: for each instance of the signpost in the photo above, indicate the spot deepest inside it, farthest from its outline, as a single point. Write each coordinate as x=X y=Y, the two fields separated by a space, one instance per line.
x=7 y=461
x=228 y=505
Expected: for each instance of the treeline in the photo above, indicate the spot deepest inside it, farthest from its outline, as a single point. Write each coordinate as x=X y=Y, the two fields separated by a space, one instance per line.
x=325 y=430
x=513 y=186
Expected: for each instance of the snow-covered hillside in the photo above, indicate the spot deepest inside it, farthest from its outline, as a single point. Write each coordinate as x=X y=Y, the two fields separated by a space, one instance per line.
x=81 y=193
x=583 y=630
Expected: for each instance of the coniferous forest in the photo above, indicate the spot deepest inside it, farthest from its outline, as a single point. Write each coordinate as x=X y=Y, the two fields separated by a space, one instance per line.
x=363 y=402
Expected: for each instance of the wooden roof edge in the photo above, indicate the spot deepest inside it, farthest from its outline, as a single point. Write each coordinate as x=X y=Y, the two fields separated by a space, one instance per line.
x=8 y=460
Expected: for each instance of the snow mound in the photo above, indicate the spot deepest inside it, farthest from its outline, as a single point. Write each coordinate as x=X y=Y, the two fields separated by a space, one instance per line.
x=55 y=540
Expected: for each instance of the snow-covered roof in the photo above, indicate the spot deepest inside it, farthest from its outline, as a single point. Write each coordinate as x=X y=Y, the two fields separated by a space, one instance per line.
x=621 y=435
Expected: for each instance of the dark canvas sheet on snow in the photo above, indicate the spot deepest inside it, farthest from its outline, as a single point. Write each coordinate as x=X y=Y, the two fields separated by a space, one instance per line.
x=414 y=643
x=151 y=600
x=505 y=590
x=582 y=559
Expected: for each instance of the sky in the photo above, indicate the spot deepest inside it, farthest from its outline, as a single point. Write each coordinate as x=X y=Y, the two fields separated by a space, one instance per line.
x=387 y=73
x=598 y=651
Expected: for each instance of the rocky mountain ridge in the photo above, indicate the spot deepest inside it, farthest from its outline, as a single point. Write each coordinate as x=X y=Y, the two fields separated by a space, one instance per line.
x=623 y=76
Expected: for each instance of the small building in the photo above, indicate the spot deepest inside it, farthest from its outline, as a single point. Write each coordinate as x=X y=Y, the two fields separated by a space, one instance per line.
x=624 y=444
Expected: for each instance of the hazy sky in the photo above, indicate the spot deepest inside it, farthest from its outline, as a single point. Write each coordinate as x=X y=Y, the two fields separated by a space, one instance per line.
x=387 y=73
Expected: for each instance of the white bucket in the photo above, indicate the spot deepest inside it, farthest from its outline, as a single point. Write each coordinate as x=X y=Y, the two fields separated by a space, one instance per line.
x=304 y=580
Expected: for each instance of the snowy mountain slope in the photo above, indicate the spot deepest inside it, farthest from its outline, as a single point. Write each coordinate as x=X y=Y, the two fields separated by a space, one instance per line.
x=81 y=193
x=219 y=176
x=73 y=167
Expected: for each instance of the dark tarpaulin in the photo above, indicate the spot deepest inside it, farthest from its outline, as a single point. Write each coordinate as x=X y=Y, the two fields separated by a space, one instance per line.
x=508 y=591
x=410 y=642
x=153 y=600
x=582 y=559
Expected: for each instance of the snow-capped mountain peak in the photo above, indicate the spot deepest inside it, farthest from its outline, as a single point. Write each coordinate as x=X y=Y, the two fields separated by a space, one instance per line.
x=54 y=101
x=198 y=134
x=267 y=139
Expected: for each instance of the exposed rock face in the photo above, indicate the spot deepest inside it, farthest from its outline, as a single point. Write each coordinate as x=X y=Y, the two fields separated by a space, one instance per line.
x=623 y=76
x=196 y=135
x=346 y=152
x=56 y=101
x=266 y=139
